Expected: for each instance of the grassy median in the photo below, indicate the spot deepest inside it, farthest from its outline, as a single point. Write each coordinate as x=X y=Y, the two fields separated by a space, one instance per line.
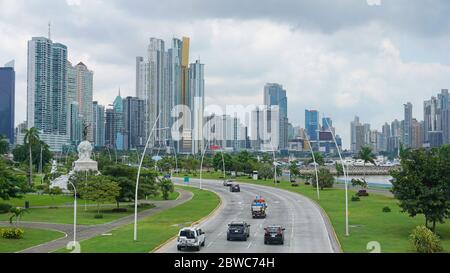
x=31 y=238
x=156 y=229
x=367 y=221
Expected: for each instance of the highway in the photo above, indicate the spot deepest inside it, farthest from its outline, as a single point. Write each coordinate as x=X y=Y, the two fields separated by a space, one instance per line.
x=307 y=230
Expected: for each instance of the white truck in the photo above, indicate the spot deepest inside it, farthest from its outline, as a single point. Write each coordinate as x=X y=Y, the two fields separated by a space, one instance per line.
x=190 y=237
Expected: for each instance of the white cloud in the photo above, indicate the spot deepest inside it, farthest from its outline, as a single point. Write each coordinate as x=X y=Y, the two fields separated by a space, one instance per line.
x=356 y=70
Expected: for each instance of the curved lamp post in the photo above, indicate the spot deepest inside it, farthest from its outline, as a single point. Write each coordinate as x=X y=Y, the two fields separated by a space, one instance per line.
x=315 y=165
x=138 y=174
x=345 y=179
x=74 y=212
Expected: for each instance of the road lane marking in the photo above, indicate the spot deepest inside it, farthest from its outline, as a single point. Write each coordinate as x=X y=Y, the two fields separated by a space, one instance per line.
x=209 y=244
x=249 y=245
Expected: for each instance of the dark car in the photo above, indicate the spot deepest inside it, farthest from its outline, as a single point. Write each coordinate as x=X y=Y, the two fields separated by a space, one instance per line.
x=235 y=188
x=238 y=231
x=274 y=234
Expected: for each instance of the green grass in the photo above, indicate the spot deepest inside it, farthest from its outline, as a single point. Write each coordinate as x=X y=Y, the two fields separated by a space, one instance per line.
x=31 y=238
x=156 y=229
x=172 y=196
x=61 y=200
x=65 y=215
x=366 y=220
x=43 y=200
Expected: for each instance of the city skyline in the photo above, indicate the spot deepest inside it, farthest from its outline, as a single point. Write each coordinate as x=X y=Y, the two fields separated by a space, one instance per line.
x=393 y=69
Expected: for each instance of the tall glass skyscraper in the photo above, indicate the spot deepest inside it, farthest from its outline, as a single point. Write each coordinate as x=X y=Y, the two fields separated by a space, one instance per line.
x=197 y=89
x=7 y=95
x=98 y=124
x=47 y=91
x=275 y=95
x=312 y=124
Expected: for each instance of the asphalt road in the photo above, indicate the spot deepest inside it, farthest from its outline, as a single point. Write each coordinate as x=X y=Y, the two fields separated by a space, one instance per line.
x=307 y=230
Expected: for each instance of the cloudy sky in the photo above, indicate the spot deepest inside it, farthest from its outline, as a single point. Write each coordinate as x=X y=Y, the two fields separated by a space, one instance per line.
x=344 y=58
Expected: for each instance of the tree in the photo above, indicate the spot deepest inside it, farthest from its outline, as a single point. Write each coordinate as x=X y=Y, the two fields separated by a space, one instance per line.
x=166 y=187
x=166 y=163
x=99 y=189
x=339 y=169
x=294 y=170
x=4 y=145
x=319 y=159
x=422 y=184
x=11 y=184
x=17 y=214
x=21 y=154
x=366 y=155
x=326 y=179
x=265 y=171
x=31 y=138
x=55 y=191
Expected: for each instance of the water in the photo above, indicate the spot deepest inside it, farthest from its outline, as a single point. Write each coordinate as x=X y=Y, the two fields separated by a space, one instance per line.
x=372 y=180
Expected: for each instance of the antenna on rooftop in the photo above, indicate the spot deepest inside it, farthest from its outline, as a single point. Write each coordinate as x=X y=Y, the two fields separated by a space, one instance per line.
x=49 y=30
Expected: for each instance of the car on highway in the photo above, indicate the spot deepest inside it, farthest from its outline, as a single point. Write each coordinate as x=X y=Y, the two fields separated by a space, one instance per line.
x=274 y=234
x=227 y=182
x=238 y=230
x=190 y=237
x=235 y=188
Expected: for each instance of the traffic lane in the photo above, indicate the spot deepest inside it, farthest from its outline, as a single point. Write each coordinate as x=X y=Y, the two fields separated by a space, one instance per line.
x=232 y=207
x=306 y=231
x=238 y=209
x=306 y=227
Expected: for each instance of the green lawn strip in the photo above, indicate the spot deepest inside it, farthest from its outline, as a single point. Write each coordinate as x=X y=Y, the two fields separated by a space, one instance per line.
x=32 y=237
x=172 y=196
x=43 y=200
x=156 y=229
x=65 y=215
x=366 y=220
x=64 y=199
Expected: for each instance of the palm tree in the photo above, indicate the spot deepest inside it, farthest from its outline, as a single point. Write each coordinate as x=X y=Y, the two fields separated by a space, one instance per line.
x=17 y=213
x=31 y=138
x=367 y=156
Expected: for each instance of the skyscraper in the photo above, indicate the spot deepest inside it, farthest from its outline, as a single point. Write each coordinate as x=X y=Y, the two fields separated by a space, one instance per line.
x=275 y=95
x=98 y=124
x=47 y=91
x=118 y=123
x=312 y=124
x=407 y=129
x=353 y=125
x=7 y=95
x=133 y=112
x=84 y=86
x=197 y=89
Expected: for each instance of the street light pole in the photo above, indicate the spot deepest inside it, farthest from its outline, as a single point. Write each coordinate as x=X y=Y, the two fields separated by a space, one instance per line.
x=315 y=165
x=74 y=213
x=345 y=178
x=137 y=177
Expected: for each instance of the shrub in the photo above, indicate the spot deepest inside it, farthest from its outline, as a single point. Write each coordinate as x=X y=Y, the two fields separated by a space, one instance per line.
x=356 y=198
x=425 y=241
x=12 y=233
x=98 y=216
x=5 y=208
x=119 y=210
x=294 y=184
x=386 y=209
x=362 y=193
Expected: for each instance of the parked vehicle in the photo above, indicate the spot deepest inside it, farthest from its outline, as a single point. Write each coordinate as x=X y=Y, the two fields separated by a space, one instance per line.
x=238 y=230
x=227 y=182
x=235 y=188
x=259 y=207
x=274 y=234
x=190 y=238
